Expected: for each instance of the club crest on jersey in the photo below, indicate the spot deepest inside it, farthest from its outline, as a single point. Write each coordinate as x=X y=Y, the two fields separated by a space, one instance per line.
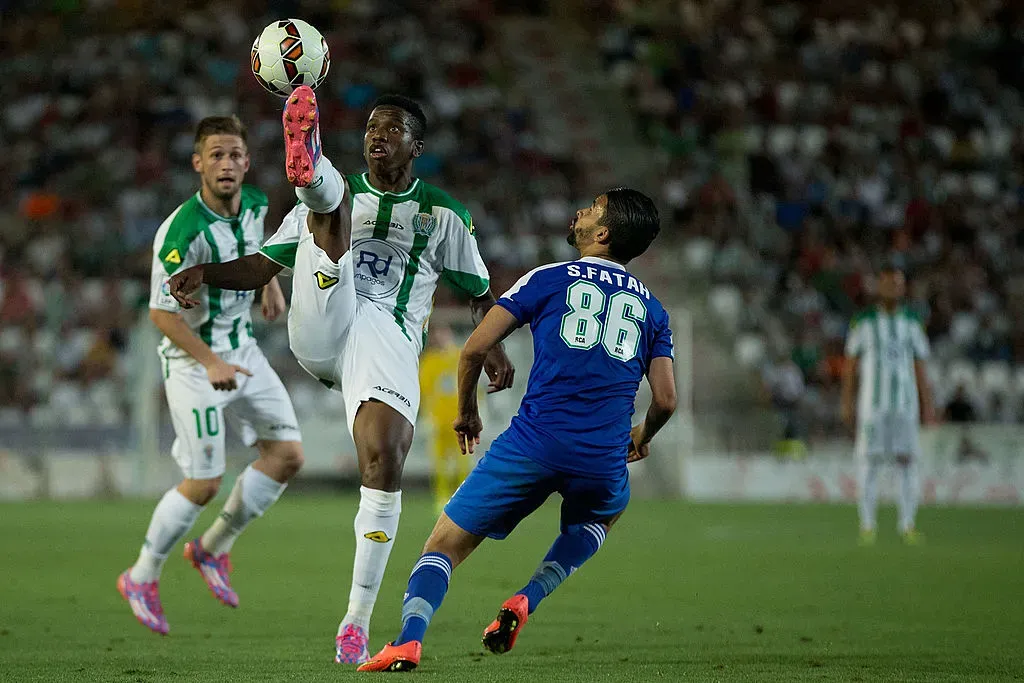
x=174 y=256
x=424 y=224
x=324 y=281
x=377 y=537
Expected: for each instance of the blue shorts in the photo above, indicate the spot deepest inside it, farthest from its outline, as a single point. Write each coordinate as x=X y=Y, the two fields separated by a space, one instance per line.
x=506 y=486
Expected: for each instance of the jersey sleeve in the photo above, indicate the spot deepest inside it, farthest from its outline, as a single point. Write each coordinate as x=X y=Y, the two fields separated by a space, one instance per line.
x=462 y=266
x=855 y=338
x=166 y=262
x=662 y=345
x=281 y=246
x=919 y=341
x=523 y=298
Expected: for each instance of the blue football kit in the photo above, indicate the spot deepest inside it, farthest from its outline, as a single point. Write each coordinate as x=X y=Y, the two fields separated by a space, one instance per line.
x=596 y=329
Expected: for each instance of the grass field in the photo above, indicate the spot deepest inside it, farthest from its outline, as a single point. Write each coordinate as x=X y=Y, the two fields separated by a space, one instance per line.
x=680 y=592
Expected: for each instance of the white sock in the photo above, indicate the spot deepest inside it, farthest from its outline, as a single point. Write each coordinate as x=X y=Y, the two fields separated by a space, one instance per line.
x=867 y=502
x=909 y=488
x=325 y=192
x=250 y=497
x=376 y=525
x=173 y=517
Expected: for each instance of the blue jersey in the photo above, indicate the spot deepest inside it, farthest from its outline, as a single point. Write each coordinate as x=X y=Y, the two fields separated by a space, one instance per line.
x=596 y=329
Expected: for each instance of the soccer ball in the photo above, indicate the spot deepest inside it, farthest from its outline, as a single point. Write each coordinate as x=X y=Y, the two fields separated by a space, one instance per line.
x=290 y=53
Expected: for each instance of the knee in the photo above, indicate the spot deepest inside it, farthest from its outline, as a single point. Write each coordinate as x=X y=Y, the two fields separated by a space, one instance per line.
x=200 y=491
x=381 y=466
x=284 y=459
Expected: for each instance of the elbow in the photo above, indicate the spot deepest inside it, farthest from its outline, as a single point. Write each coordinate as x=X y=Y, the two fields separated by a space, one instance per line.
x=666 y=402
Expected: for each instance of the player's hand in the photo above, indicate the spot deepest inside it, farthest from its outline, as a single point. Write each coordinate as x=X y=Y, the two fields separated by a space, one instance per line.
x=499 y=370
x=638 y=448
x=222 y=375
x=272 y=302
x=468 y=428
x=185 y=283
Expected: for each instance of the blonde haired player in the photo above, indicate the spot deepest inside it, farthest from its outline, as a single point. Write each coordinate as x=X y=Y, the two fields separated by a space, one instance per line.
x=439 y=393
x=885 y=354
x=213 y=371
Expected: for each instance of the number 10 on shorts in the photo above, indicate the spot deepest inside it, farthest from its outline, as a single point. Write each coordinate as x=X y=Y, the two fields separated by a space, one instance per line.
x=212 y=420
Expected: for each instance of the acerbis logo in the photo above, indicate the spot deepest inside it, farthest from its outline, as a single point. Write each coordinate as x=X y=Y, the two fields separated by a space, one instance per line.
x=377 y=536
x=392 y=392
x=379 y=268
x=393 y=225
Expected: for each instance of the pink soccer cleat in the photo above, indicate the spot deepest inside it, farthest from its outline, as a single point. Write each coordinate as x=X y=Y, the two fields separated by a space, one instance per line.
x=144 y=599
x=351 y=645
x=301 y=120
x=215 y=572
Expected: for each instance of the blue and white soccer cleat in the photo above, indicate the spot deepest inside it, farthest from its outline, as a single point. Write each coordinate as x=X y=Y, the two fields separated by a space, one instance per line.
x=144 y=599
x=351 y=645
x=214 y=570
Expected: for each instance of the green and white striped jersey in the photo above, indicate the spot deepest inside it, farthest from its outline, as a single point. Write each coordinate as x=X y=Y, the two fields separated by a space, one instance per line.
x=194 y=234
x=401 y=244
x=886 y=345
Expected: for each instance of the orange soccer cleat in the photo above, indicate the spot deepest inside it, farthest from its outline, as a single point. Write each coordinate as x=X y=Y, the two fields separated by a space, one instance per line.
x=501 y=635
x=405 y=657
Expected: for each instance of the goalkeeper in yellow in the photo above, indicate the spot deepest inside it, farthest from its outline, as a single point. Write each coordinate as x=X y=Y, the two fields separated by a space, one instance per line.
x=439 y=366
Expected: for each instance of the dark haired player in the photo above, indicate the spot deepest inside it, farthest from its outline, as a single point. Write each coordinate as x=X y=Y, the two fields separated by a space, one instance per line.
x=597 y=330
x=366 y=251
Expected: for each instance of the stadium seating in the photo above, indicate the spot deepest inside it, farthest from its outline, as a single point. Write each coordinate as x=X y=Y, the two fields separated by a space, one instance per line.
x=819 y=140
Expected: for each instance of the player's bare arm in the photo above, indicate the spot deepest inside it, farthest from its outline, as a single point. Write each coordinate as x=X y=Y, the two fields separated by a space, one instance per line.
x=661 y=376
x=497 y=365
x=488 y=335
x=221 y=374
x=272 y=302
x=924 y=393
x=848 y=387
x=243 y=274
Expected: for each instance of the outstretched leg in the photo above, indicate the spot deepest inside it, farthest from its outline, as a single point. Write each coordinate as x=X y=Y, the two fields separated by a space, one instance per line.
x=447 y=547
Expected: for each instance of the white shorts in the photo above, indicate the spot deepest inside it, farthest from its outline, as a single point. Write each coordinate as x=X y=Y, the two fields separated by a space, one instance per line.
x=349 y=343
x=259 y=409
x=888 y=435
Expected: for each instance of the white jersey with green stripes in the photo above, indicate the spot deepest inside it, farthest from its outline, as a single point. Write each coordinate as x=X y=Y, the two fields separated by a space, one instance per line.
x=194 y=234
x=402 y=243
x=886 y=346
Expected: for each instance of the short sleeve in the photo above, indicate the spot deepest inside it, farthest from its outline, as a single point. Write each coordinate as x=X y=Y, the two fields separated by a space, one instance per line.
x=462 y=266
x=919 y=341
x=855 y=338
x=282 y=245
x=662 y=345
x=159 y=288
x=523 y=298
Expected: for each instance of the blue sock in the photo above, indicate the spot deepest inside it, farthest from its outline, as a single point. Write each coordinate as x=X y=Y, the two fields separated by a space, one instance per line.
x=427 y=586
x=570 y=550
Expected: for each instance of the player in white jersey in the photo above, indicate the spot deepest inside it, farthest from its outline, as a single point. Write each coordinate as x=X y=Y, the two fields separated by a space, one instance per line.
x=885 y=354
x=213 y=371
x=366 y=252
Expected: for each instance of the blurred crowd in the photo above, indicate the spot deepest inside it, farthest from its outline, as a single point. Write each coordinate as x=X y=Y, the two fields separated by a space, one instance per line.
x=806 y=142
x=100 y=99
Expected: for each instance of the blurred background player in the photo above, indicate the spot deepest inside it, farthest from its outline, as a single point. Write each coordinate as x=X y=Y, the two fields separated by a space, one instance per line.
x=597 y=332
x=439 y=372
x=366 y=252
x=213 y=369
x=885 y=359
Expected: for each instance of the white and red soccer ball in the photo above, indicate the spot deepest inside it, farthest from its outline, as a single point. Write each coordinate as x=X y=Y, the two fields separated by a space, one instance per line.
x=289 y=53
